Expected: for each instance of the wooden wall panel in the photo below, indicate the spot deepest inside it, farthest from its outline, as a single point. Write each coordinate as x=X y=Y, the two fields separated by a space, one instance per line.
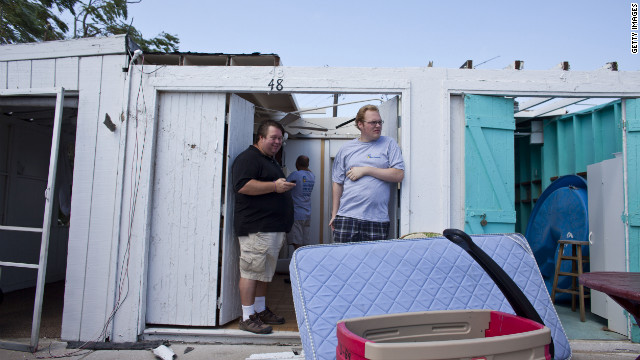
x=240 y=136
x=67 y=71
x=43 y=73
x=19 y=74
x=184 y=236
x=83 y=175
x=102 y=253
x=3 y=75
x=135 y=218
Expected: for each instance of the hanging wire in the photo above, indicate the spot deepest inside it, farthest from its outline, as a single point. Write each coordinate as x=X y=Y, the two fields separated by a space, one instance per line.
x=136 y=170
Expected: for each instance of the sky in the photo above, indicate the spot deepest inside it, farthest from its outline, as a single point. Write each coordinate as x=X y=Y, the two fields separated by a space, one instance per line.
x=401 y=33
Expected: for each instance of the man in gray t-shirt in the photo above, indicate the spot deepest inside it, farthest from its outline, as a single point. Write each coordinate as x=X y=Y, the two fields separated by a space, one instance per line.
x=362 y=174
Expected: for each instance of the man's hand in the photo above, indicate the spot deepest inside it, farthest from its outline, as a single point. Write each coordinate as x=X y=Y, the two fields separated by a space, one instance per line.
x=282 y=185
x=357 y=172
x=391 y=175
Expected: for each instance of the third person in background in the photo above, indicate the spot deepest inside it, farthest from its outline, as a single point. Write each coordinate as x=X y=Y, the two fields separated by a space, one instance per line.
x=301 y=194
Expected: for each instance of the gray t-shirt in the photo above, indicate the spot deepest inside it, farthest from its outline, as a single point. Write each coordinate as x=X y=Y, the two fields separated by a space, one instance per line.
x=366 y=198
x=301 y=194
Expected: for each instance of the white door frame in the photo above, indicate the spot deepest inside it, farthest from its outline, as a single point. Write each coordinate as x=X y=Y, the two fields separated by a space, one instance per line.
x=179 y=84
x=46 y=222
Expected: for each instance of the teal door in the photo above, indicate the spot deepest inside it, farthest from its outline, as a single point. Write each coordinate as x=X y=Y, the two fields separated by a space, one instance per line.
x=633 y=173
x=489 y=165
x=633 y=192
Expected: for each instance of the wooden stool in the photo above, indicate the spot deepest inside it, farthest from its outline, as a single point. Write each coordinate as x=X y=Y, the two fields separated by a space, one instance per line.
x=576 y=270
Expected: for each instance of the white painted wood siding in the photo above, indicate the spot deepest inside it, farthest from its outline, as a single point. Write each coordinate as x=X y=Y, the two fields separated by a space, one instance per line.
x=185 y=213
x=240 y=136
x=91 y=266
x=43 y=73
x=3 y=75
x=19 y=74
x=93 y=257
x=46 y=73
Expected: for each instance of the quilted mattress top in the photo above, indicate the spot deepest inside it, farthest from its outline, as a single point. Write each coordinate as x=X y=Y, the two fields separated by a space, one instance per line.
x=341 y=281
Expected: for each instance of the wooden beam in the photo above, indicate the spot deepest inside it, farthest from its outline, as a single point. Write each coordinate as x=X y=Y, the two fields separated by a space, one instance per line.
x=563 y=65
x=467 y=65
x=544 y=110
x=531 y=103
x=110 y=45
x=39 y=102
x=516 y=65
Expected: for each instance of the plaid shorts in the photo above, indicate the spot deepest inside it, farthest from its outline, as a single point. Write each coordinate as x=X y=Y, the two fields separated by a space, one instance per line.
x=348 y=229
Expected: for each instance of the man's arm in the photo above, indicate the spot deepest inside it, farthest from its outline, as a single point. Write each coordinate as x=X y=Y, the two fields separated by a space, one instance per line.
x=336 y=194
x=389 y=175
x=256 y=187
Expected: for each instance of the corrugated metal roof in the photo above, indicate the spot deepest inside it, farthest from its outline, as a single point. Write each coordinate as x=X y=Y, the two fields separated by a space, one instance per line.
x=322 y=128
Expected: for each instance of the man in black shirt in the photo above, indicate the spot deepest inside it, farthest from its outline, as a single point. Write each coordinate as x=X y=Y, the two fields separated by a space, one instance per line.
x=263 y=215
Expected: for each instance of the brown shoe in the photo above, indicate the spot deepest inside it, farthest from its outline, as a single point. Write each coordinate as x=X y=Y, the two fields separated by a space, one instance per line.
x=255 y=325
x=268 y=317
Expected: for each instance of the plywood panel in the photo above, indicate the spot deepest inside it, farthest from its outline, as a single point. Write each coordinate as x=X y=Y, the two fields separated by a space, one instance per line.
x=19 y=74
x=102 y=252
x=134 y=219
x=209 y=145
x=83 y=176
x=67 y=73
x=3 y=75
x=184 y=235
x=43 y=73
x=240 y=136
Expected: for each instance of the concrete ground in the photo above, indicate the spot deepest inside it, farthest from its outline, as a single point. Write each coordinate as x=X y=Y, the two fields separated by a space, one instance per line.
x=582 y=350
x=50 y=349
x=601 y=344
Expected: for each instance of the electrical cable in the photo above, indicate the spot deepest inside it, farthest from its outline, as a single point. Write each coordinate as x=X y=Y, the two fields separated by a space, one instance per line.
x=136 y=170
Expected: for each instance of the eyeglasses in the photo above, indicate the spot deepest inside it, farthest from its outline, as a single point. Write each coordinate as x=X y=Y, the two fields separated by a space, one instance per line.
x=375 y=123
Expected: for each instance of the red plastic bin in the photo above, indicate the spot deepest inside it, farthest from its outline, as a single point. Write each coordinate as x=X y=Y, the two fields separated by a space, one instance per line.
x=449 y=334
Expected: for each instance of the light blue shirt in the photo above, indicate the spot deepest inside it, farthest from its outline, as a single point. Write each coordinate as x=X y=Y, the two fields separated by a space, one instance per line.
x=301 y=194
x=366 y=198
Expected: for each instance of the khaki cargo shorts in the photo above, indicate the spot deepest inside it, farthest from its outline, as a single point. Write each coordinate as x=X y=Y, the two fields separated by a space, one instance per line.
x=259 y=255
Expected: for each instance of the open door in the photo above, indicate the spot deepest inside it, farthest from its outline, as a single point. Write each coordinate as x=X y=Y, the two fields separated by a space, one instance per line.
x=45 y=230
x=489 y=165
x=184 y=231
x=240 y=136
x=389 y=114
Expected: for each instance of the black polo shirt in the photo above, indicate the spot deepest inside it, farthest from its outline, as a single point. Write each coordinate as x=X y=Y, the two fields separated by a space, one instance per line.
x=271 y=212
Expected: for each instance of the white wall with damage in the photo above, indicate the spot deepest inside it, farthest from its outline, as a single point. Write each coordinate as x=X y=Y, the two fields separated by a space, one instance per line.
x=113 y=178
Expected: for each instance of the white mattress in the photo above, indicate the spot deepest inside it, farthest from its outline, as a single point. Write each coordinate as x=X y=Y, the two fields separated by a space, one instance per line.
x=341 y=281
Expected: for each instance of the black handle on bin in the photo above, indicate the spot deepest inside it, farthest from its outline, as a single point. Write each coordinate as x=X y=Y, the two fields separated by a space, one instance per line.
x=518 y=301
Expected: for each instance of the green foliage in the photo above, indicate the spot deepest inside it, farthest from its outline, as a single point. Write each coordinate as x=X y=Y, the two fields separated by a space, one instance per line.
x=163 y=42
x=107 y=17
x=29 y=20
x=34 y=20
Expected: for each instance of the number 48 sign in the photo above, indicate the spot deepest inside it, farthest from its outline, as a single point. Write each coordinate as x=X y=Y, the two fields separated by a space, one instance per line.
x=277 y=84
